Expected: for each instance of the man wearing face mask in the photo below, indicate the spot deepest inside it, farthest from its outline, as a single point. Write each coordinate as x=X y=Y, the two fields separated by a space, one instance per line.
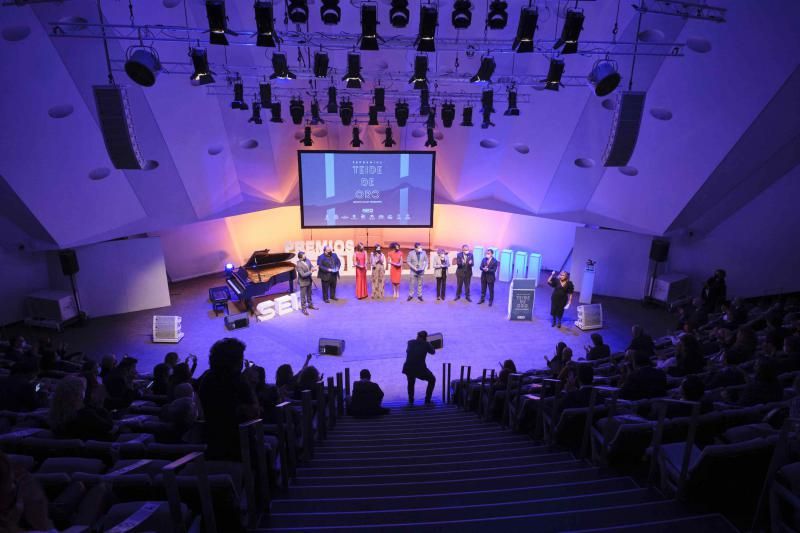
x=464 y=264
x=304 y=273
x=488 y=268
x=417 y=261
x=329 y=265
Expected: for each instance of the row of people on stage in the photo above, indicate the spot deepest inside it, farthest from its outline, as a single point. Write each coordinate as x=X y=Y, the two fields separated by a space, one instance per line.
x=329 y=265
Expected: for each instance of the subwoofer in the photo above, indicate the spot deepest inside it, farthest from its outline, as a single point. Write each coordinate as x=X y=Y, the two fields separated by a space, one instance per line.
x=331 y=346
x=240 y=320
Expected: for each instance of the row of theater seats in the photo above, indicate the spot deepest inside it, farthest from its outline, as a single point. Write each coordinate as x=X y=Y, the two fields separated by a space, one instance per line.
x=143 y=481
x=741 y=461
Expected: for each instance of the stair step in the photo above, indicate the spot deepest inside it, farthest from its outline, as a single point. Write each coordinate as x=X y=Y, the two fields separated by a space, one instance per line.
x=433 y=487
x=417 y=436
x=426 y=449
x=341 y=431
x=452 y=464
x=347 y=459
x=469 y=512
x=609 y=517
x=446 y=499
x=452 y=476
x=367 y=445
x=691 y=524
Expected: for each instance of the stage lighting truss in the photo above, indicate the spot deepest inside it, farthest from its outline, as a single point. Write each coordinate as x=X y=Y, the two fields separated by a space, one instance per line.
x=428 y=20
x=369 y=27
x=297 y=11
x=265 y=24
x=296 y=110
x=353 y=74
x=420 y=76
x=523 y=41
x=238 y=95
x=571 y=32
x=217 y=22
x=330 y=12
x=462 y=14
x=431 y=139
x=256 y=116
x=497 y=17
x=280 y=68
x=399 y=14
x=356 y=141
x=388 y=141
x=307 y=140
x=201 y=74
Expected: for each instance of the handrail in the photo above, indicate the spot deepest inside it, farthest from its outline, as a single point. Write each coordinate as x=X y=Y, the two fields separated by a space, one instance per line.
x=173 y=496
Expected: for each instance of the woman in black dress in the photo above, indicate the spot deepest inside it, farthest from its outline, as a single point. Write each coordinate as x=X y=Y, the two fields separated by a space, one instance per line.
x=562 y=296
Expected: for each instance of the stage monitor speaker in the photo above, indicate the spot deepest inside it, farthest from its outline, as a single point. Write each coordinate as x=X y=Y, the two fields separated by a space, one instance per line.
x=69 y=262
x=659 y=250
x=241 y=320
x=331 y=346
x=590 y=317
x=167 y=329
x=624 y=128
x=117 y=127
x=437 y=340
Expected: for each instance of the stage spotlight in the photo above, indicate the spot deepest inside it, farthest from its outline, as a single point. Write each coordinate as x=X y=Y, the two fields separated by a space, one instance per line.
x=321 y=61
x=497 y=17
x=330 y=12
x=265 y=94
x=356 y=142
x=428 y=20
x=573 y=24
x=487 y=103
x=420 y=76
x=296 y=110
x=388 y=142
x=462 y=14
x=373 y=116
x=217 y=22
x=523 y=42
x=275 y=111
x=280 y=68
x=256 y=117
x=346 y=112
x=605 y=77
x=228 y=268
x=430 y=122
x=466 y=117
x=379 y=96
x=369 y=27
x=315 y=118
x=238 y=96
x=297 y=11
x=265 y=24
x=142 y=65
x=554 y=73
x=448 y=114
x=401 y=113
x=431 y=141
x=353 y=75
x=398 y=14
x=307 y=140
x=424 y=102
x=485 y=71
x=332 y=107
x=512 y=110
x=202 y=75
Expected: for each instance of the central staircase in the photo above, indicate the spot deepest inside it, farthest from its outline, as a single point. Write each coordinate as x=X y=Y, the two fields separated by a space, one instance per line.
x=441 y=469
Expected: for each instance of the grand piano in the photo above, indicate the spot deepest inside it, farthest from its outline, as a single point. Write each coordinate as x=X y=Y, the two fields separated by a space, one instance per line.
x=259 y=274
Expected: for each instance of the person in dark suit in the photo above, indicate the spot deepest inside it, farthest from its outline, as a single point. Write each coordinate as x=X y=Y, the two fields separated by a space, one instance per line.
x=464 y=263
x=641 y=341
x=304 y=273
x=367 y=397
x=715 y=290
x=488 y=269
x=415 y=368
x=329 y=265
x=597 y=350
x=643 y=381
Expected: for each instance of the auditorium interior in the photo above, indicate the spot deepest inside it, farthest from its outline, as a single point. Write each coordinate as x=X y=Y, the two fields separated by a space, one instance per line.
x=413 y=265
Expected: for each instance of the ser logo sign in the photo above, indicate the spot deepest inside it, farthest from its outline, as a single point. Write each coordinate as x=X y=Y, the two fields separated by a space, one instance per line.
x=282 y=305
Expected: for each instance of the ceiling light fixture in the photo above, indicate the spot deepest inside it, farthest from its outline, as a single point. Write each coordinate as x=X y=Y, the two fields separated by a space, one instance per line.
x=321 y=62
x=401 y=113
x=554 y=73
x=512 y=110
x=346 y=112
x=487 y=103
x=466 y=117
x=462 y=14
x=369 y=27
x=356 y=142
x=307 y=140
x=142 y=65
x=373 y=116
x=431 y=141
x=485 y=70
x=605 y=77
x=280 y=68
x=523 y=42
x=448 y=114
x=238 y=96
x=330 y=12
x=353 y=75
x=497 y=17
x=202 y=75
x=296 y=110
x=275 y=111
x=379 y=98
x=265 y=24
x=265 y=94
x=420 y=76
x=217 y=22
x=332 y=107
x=428 y=20
x=256 y=117
x=297 y=10
x=315 y=116
x=570 y=33
x=399 y=14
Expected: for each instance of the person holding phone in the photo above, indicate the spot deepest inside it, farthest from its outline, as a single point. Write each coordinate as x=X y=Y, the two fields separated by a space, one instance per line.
x=561 y=298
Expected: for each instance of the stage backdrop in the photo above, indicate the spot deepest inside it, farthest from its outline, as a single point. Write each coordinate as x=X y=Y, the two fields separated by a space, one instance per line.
x=203 y=248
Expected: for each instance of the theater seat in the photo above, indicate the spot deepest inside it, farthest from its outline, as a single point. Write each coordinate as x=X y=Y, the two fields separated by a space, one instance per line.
x=71 y=465
x=148 y=516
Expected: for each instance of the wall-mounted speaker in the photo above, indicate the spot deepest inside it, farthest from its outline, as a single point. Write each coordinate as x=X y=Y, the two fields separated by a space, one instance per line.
x=117 y=127
x=331 y=346
x=659 y=250
x=240 y=320
x=69 y=262
x=624 y=129
x=437 y=340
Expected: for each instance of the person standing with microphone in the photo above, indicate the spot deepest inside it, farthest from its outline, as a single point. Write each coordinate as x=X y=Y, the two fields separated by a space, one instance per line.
x=561 y=298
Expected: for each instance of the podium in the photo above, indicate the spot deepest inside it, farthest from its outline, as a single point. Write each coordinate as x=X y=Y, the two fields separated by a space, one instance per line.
x=587 y=285
x=521 y=297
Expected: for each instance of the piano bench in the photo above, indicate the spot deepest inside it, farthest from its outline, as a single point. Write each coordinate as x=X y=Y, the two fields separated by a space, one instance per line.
x=219 y=297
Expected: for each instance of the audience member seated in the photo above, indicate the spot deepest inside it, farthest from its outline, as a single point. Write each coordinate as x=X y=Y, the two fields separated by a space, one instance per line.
x=266 y=395
x=641 y=341
x=639 y=379
x=19 y=349
x=507 y=368
x=119 y=385
x=160 y=383
x=560 y=360
x=71 y=418
x=95 y=391
x=226 y=398
x=18 y=392
x=107 y=364
x=579 y=393
x=729 y=375
x=789 y=359
x=286 y=380
x=23 y=503
x=693 y=315
x=765 y=387
x=743 y=348
x=307 y=380
x=171 y=359
x=184 y=410
x=597 y=350
x=688 y=357
x=181 y=373
x=367 y=397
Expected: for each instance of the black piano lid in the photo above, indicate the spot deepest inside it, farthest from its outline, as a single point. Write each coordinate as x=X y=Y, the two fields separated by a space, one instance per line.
x=262 y=258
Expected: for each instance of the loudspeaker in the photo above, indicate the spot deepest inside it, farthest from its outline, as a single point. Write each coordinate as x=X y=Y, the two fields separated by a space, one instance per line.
x=659 y=251
x=117 y=127
x=241 y=320
x=69 y=262
x=590 y=317
x=437 y=340
x=624 y=128
x=331 y=346
x=167 y=329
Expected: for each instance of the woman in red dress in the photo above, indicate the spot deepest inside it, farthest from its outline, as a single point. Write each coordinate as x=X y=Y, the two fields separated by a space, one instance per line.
x=396 y=262
x=360 y=261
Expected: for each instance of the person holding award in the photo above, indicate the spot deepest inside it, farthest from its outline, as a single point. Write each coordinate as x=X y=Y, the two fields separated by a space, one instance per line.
x=440 y=264
x=378 y=263
x=329 y=265
x=417 y=261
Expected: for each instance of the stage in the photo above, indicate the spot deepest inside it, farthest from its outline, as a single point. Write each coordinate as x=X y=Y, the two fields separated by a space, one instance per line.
x=375 y=331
